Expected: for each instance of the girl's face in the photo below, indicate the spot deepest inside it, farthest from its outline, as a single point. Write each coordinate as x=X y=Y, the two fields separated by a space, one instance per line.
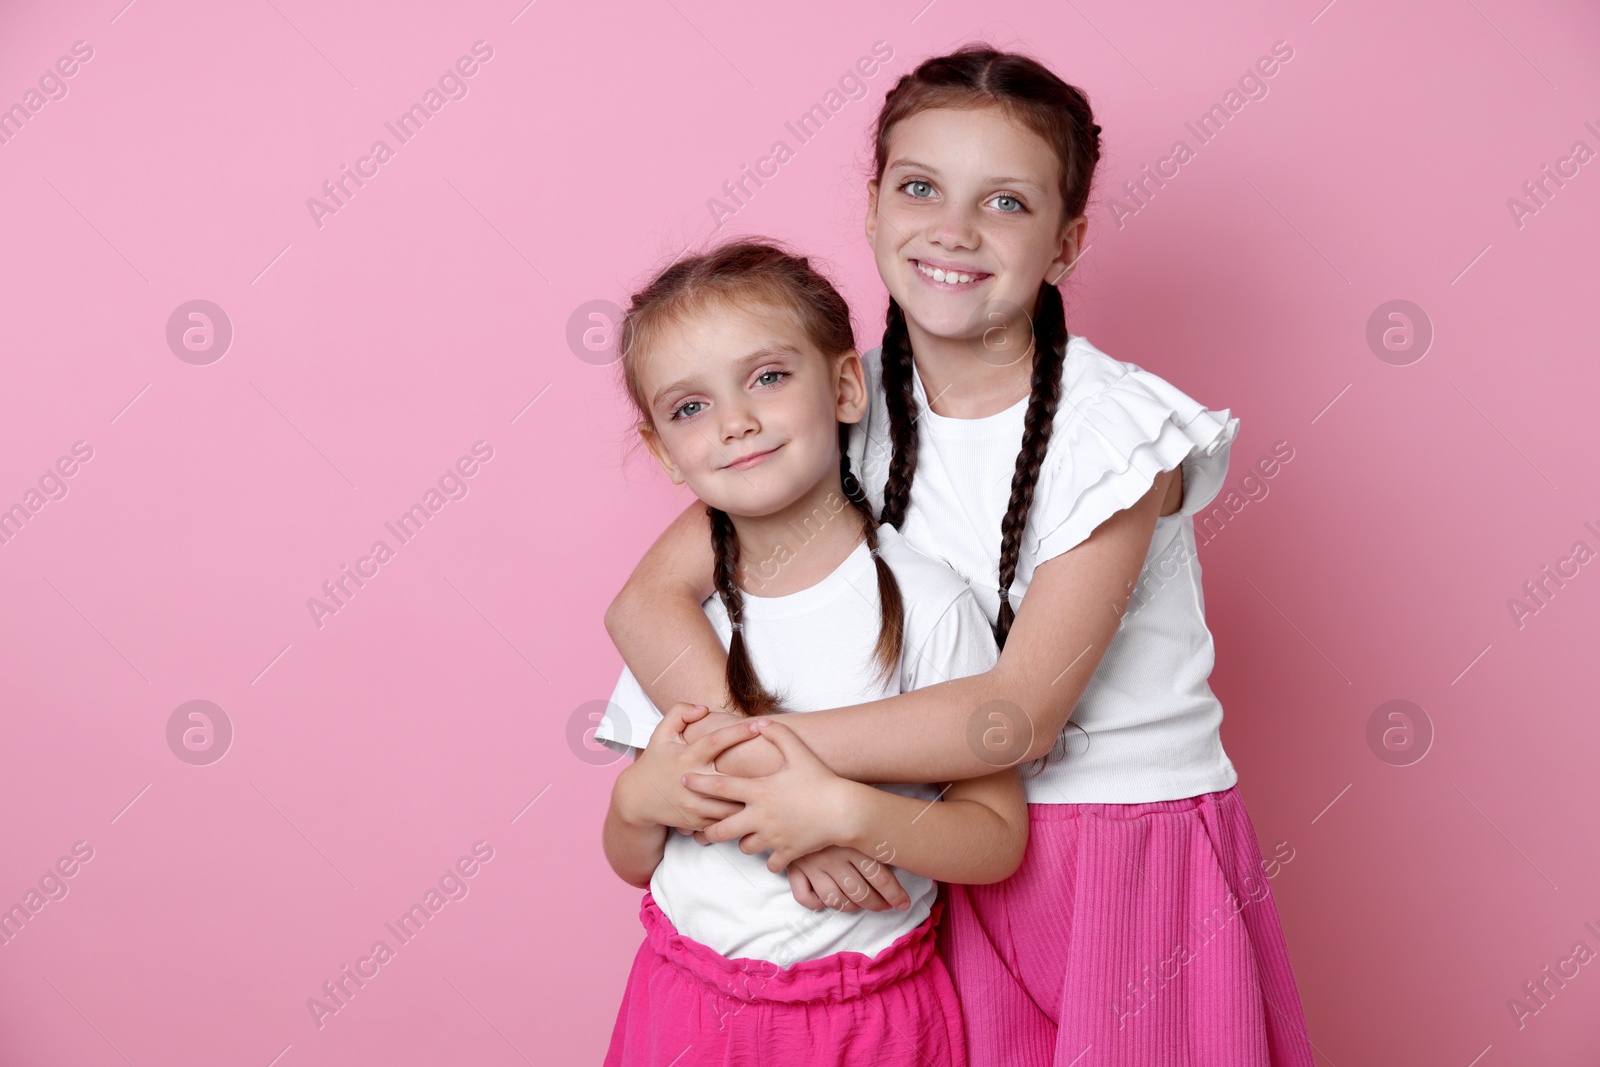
x=968 y=192
x=745 y=410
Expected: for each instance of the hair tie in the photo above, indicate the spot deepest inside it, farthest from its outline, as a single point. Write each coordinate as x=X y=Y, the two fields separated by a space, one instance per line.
x=876 y=554
x=738 y=627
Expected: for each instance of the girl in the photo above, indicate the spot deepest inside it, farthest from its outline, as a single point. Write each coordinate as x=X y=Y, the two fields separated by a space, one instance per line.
x=742 y=366
x=1061 y=483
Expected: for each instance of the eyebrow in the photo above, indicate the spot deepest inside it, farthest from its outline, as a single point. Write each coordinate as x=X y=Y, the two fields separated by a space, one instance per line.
x=911 y=164
x=764 y=352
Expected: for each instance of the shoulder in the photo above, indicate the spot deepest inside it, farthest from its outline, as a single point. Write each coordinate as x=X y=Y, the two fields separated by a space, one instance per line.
x=1087 y=371
x=935 y=596
x=1090 y=378
x=946 y=632
x=923 y=579
x=1118 y=428
x=1126 y=405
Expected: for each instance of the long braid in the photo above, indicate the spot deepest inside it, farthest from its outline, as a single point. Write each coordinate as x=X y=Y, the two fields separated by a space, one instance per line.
x=891 y=628
x=901 y=393
x=1049 y=337
x=744 y=687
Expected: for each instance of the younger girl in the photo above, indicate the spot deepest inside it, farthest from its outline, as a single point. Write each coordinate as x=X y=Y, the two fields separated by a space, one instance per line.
x=1061 y=483
x=741 y=363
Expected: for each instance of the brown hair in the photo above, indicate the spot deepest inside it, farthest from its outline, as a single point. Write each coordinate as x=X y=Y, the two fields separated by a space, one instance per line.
x=1027 y=92
x=743 y=272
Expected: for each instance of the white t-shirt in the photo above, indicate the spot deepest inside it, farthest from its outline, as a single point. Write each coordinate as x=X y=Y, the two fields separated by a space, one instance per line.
x=813 y=647
x=1151 y=720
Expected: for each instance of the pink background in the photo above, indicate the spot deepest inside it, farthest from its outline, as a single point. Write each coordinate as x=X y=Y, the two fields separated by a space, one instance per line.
x=433 y=710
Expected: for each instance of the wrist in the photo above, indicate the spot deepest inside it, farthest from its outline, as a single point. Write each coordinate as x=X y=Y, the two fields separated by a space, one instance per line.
x=625 y=799
x=853 y=821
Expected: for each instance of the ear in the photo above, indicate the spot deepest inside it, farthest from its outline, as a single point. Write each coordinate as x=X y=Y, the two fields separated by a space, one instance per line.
x=850 y=388
x=1071 y=244
x=658 y=449
x=872 y=208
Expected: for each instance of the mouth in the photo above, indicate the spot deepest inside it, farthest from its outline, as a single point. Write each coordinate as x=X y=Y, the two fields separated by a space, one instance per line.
x=950 y=278
x=746 y=462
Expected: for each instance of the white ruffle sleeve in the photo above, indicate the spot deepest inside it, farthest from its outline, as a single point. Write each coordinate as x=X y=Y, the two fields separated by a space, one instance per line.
x=1117 y=427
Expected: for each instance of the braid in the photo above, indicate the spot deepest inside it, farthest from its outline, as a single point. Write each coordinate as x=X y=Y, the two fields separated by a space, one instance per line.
x=891 y=630
x=1049 y=337
x=901 y=393
x=744 y=688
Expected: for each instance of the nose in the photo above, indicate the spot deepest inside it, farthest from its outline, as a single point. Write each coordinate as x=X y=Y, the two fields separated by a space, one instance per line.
x=954 y=226
x=738 y=420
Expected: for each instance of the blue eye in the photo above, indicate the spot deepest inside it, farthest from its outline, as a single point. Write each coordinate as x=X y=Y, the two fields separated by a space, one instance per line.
x=1011 y=211
x=678 y=411
x=779 y=374
x=917 y=181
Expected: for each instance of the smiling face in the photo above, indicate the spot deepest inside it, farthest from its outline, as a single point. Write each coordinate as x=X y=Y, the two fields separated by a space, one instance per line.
x=745 y=410
x=966 y=218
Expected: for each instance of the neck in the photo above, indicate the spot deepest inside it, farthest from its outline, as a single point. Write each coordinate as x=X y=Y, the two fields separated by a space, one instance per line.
x=798 y=546
x=967 y=379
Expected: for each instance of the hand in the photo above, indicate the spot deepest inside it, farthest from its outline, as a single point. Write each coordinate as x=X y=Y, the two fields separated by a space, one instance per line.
x=760 y=757
x=799 y=809
x=845 y=880
x=702 y=724
x=651 y=791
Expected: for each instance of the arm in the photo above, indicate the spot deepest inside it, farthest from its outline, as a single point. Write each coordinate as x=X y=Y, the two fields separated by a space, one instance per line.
x=1071 y=612
x=977 y=834
x=657 y=623
x=633 y=845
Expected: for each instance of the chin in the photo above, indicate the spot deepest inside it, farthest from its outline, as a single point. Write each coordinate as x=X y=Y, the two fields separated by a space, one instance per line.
x=753 y=504
x=946 y=319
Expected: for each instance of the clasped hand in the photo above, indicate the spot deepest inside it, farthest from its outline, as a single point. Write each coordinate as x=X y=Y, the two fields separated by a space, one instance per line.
x=801 y=811
x=652 y=792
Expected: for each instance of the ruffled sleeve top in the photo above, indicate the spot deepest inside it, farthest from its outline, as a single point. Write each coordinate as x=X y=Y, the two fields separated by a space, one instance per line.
x=1150 y=725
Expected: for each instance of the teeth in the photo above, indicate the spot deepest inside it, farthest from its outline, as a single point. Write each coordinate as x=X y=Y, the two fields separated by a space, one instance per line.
x=948 y=277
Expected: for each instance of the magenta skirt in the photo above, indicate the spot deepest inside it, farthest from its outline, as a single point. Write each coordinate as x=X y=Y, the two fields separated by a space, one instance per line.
x=685 y=1005
x=1133 y=935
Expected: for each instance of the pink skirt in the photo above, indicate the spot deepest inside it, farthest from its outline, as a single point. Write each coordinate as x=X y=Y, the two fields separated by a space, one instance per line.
x=1133 y=935
x=688 y=1006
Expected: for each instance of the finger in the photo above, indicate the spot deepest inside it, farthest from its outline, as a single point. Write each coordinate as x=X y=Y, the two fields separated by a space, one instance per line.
x=751 y=844
x=804 y=895
x=860 y=890
x=723 y=786
x=710 y=811
x=692 y=712
x=733 y=827
x=882 y=879
x=701 y=838
x=830 y=893
x=718 y=741
x=794 y=750
x=681 y=714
